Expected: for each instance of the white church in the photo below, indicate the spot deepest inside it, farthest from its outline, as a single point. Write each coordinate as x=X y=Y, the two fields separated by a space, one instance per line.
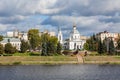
x=74 y=42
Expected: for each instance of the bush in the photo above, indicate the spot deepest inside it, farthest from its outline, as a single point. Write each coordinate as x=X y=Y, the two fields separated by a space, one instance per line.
x=1 y=49
x=9 y=49
x=24 y=46
x=7 y=54
x=16 y=63
x=66 y=52
x=34 y=54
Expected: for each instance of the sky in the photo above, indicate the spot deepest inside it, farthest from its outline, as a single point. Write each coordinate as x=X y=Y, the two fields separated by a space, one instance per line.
x=90 y=16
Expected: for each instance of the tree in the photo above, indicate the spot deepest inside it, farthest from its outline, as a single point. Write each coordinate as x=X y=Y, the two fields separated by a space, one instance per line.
x=49 y=44
x=111 y=47
x=92 y=43
x=44 y=41
x=59 y=48
x=1 y=37
x=34 y=38
x=44 y=50
x=118 y=43
x=52 y=45
x=86 y=46
x=104 y=46
x=9 y=48
x=24 y=46
x=118 y=46
x=100 y=47
x=1 y=49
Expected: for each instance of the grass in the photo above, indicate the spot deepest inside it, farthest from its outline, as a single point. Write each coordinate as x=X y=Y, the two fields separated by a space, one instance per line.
x=102 y=59
x=21 y=54
x=26 y=60
x=35 y=58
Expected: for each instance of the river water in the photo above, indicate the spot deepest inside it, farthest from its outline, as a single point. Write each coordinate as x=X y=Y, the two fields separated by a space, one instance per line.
x=60 y=72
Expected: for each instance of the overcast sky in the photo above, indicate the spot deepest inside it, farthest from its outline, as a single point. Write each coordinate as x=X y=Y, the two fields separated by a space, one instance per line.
x=90 y=16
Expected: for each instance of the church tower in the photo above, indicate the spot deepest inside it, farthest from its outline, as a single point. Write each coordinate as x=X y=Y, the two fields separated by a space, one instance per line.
x=60 y=36
x=74 y=27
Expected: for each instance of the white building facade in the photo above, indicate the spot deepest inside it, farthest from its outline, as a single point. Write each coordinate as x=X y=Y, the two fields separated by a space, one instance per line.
x=60 y=36
x=51 y=33
x=74 y=42
x=14 y=41
x=107 y=35
x=10 y=34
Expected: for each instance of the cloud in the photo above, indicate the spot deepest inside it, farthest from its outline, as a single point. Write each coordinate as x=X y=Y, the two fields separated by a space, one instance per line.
x=12 y=20
x=66 y=7
x=85 y=24
x=27 y=7
x=14 y=11
x=3 y=27
x=90 y=16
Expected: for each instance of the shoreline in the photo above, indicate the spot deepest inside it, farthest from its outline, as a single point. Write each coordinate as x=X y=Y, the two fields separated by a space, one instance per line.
x=58 y=60
x=59 y=63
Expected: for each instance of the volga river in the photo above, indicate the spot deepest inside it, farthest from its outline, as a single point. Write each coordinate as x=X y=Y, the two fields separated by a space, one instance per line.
x=61 y=72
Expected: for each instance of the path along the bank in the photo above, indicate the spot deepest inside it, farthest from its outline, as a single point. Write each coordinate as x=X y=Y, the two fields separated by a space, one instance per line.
x=80 y=58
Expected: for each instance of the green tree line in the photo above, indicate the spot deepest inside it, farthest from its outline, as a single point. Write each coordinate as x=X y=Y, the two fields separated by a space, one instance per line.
x=102 y=47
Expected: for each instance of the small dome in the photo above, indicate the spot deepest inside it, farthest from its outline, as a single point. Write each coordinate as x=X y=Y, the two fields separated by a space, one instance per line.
x=74 y=31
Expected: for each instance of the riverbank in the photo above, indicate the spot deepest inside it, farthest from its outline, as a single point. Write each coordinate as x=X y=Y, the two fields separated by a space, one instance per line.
x=102 y=59
x=36 y=60
x=39 y=60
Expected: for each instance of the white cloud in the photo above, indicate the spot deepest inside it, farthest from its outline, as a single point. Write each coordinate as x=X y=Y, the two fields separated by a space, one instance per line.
x=3 y=27
x=12 y=19
x=80 y=7
x=86 y=25
x=89 y=15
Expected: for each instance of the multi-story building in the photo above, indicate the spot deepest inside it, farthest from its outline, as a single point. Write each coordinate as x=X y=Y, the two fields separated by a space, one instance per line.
x=107 y=35
x=16 y=34
x=10 y=34
x=23 y=36
x=51 y=33
x=83 y=37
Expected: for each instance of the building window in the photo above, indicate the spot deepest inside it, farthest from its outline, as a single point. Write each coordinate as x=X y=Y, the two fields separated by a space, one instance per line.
x=77 y=46
x=60 y=37
x=74 y=45
x=80 y=46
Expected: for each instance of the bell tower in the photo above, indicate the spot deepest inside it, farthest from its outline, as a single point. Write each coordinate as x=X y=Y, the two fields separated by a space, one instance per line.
x=60 y=36
x=74 y=26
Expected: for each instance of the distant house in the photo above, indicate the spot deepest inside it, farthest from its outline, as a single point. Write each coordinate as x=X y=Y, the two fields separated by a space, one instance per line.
x=51 y=33
x=23 y=36
x=17 y=34
x=108 y=35
x=14 y=41
x=14 y=33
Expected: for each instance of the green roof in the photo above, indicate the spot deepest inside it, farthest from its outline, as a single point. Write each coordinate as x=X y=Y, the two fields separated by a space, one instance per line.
x=6 y=40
